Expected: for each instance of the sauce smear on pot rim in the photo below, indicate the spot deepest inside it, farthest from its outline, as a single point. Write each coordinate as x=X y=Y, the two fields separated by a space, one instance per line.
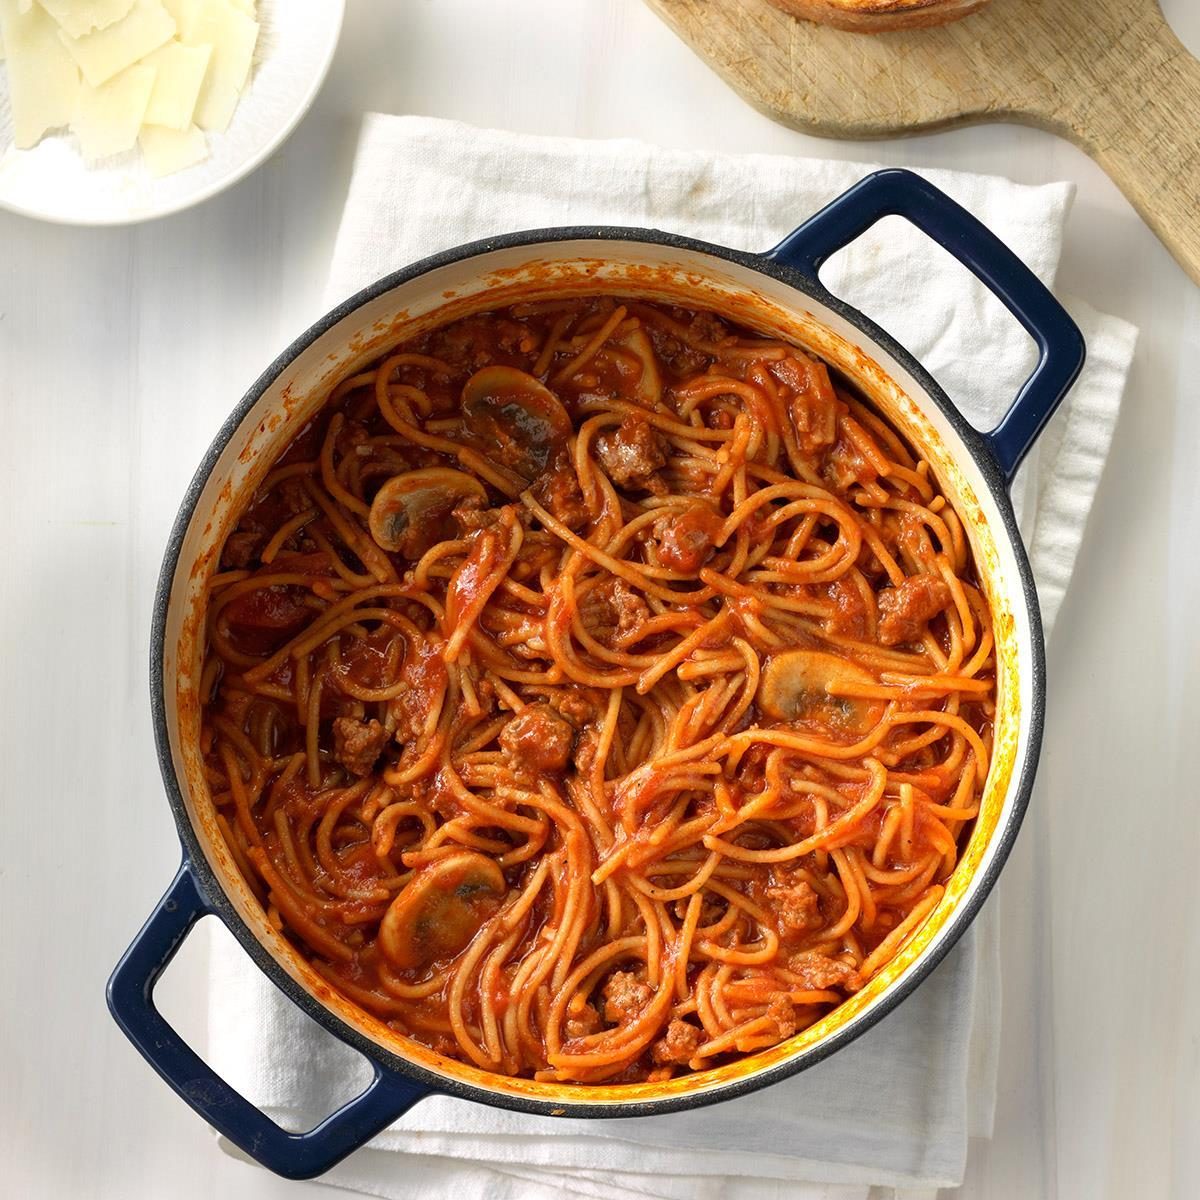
x=597 y=691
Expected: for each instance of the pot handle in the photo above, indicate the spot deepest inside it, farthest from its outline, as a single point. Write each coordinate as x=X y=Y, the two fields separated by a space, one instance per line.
x=293 y=1155
x=895 y=192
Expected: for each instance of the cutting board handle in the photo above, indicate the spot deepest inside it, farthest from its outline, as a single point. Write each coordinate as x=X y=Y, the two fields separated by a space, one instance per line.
x=1140 y=120
x=1107 y=74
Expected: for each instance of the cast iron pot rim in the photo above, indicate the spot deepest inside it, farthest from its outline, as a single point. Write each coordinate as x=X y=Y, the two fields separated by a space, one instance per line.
x=957 y=922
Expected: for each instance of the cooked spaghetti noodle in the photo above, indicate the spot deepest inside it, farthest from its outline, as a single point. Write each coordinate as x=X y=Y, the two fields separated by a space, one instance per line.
x=597 y=691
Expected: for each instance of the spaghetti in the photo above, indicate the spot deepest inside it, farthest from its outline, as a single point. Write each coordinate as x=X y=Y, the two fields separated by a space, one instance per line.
x=597 y=691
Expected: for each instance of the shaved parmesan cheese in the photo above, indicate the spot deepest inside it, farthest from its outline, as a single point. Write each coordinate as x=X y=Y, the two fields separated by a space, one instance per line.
x=103 y=54
x=77 y=18
x=184 y=12
x=42 y=79
x=181 y=70
x=107 y=118
x=232 y=35
x=187 y=12
x=169 y=150
x=155 y=72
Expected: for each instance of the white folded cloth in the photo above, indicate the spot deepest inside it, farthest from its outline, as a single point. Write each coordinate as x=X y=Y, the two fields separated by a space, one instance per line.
x=896 y=1108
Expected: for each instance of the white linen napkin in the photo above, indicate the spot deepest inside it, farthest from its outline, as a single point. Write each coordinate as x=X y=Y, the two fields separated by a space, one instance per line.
x=896 y=1108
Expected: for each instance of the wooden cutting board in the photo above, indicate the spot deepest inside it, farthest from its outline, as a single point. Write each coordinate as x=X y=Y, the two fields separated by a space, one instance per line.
x=1107 y=74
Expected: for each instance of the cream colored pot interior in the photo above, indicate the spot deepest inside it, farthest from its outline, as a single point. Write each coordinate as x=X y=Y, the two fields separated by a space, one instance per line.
x=655 y=272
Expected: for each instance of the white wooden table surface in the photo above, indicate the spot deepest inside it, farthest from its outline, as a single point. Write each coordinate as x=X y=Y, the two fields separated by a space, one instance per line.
x=121 y=352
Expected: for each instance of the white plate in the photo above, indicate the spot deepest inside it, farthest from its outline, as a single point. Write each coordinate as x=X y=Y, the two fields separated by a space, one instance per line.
x=296 y=42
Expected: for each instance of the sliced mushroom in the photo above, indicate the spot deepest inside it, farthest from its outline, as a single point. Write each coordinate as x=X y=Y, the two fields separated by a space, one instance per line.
x=648 y=390
x=411 y=512
x=800 y=684
x=441 y=909
x=514 y=419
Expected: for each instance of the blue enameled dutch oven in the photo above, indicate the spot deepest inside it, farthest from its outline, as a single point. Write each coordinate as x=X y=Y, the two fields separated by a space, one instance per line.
x=778 y=293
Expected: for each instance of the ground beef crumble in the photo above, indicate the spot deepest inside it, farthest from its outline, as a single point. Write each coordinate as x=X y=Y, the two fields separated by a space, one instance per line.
x=679 y=1044
x=559 y=492
x=905 y=610
x=625 y=995
x=782 y=1012
x=796 y=906
x=241 y=550
x=818 y=971
x=631 y=453
x=358 y=744
x=538 y=739
x=613 y=612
